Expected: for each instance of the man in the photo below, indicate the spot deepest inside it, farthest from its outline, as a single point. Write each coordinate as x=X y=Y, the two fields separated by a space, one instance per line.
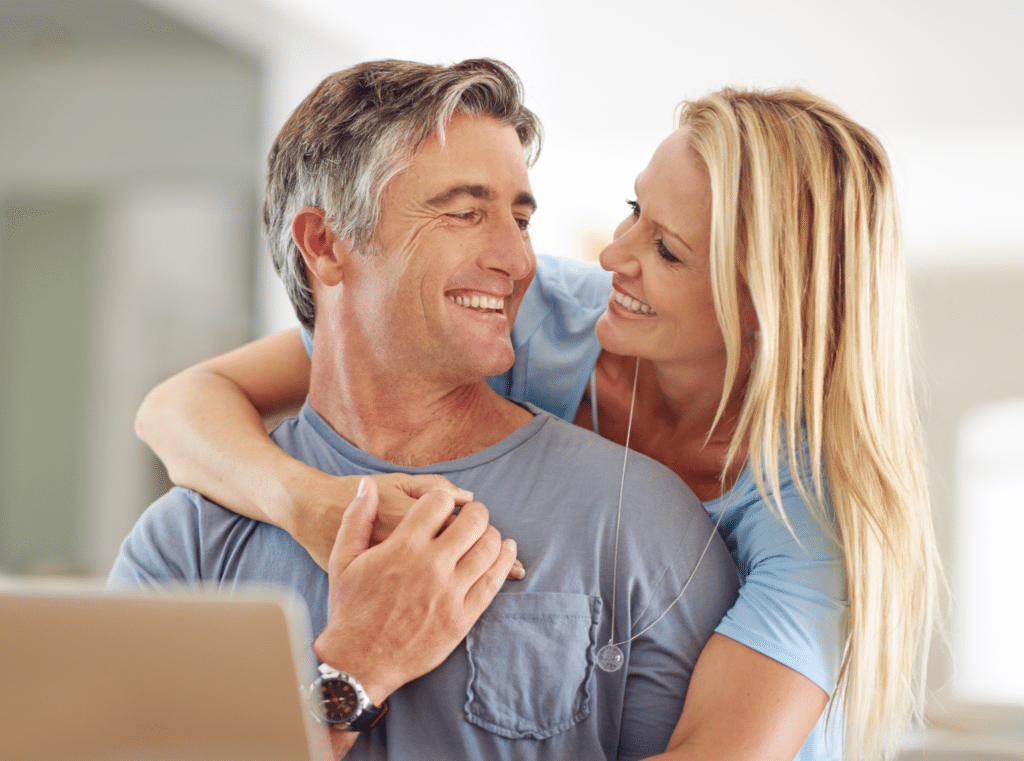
x=397 y=209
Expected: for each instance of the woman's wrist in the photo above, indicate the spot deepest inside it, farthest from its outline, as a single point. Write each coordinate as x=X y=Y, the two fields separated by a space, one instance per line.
x=286 y=494
x=309 y=504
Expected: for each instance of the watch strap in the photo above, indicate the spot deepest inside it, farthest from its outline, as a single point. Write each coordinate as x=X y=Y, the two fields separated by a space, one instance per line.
x=369 y=718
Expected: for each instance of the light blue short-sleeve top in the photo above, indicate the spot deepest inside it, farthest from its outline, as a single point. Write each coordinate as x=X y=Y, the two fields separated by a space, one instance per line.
x=792 y=605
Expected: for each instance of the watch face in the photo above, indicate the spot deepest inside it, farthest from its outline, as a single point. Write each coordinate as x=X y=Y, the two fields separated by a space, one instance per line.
x=339 y=700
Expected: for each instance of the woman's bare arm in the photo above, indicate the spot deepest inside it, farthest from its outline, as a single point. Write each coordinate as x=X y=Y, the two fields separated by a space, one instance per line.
x=743 y=706
x=207 y=425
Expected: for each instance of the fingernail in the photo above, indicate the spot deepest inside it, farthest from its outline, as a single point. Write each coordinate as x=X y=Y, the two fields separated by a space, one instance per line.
x=362 y=487
x=518 y=571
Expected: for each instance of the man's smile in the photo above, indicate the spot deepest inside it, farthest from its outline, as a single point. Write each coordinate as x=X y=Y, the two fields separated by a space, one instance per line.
x=479 y=301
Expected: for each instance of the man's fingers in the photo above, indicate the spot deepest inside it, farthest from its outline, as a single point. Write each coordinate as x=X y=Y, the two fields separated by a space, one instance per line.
x=466 y=536
x=478 y=558
x=487 y=586
x=465 y=530
x=356 y=526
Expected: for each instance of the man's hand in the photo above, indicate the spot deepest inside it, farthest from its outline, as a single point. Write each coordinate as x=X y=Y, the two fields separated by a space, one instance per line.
x=398 y=609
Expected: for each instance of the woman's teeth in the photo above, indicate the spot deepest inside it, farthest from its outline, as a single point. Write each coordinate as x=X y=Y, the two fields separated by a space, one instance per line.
x=479 y=301
x=632 y=304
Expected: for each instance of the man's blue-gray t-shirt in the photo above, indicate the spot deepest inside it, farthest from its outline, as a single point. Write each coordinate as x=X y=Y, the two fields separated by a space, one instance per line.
x=523 y=684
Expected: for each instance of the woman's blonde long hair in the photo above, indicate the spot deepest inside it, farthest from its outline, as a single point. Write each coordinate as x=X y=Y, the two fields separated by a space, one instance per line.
x=804 y=216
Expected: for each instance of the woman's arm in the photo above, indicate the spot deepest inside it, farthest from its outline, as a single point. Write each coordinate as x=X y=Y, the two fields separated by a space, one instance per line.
x=741 y=704
x=207 y=425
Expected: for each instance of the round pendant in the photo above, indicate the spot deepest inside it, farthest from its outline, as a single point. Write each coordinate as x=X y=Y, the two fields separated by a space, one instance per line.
x=610 y=658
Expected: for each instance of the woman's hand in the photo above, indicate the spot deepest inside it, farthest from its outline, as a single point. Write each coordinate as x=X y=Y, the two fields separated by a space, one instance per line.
x=319 y=501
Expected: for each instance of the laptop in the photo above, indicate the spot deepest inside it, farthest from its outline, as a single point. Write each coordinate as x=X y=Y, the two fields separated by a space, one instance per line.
x=87 y=675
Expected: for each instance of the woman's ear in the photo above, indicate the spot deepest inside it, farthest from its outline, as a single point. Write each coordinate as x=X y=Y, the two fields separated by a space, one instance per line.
x=323 y=251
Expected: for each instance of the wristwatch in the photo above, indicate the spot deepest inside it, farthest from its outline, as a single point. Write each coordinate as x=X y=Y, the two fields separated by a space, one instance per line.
x=338 y=700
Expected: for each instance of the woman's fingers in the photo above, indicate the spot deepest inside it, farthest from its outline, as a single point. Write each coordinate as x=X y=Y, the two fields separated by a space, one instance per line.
x=398 y=491
x=416 y=486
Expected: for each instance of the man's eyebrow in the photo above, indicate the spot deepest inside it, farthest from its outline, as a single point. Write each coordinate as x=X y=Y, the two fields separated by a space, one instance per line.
x=526 y=199
x=479 y=191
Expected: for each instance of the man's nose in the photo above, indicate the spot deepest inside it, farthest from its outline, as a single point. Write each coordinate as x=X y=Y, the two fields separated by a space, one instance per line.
x=508 y=250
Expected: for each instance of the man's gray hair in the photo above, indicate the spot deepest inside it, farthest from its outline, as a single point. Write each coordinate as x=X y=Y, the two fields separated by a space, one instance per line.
x=358 y=129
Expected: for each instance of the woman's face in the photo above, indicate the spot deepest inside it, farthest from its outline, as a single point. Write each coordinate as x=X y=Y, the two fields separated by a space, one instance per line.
x=661 y=307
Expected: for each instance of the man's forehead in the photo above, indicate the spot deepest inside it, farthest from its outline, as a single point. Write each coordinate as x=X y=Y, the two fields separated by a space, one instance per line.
x=477 y=155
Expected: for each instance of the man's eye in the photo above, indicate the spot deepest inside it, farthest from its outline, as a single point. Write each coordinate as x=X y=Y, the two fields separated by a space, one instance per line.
x=523 y=222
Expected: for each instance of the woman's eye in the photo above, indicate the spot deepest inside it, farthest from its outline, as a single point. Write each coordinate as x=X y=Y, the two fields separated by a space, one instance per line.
x=664 y=253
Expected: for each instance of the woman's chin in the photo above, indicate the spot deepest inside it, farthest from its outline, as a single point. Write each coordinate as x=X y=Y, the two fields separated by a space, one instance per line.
x=612 y=338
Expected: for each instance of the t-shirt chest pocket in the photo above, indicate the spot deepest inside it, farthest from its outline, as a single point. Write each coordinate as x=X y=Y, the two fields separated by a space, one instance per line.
x=531 y=658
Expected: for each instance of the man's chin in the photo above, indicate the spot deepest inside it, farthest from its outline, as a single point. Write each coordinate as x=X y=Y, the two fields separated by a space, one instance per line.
x=494 y=362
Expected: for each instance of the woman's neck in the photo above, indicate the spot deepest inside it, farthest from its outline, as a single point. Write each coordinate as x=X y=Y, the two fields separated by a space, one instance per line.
x=674 y=411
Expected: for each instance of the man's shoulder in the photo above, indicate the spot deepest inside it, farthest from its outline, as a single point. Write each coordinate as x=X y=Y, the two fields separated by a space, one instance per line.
x=179 y=516
x=163 y=546
x=605 y=460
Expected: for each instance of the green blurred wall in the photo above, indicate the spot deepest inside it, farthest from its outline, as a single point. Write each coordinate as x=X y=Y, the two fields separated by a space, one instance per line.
x=48 y=255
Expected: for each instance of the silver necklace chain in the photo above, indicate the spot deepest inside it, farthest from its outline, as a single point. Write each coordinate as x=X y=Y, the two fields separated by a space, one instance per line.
x=610 y=657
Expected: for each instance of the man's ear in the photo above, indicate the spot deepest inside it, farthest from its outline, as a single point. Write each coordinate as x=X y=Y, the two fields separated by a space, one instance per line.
x=323 y=251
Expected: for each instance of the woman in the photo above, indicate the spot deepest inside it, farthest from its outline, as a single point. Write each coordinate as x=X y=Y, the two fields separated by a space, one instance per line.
x=760 y=281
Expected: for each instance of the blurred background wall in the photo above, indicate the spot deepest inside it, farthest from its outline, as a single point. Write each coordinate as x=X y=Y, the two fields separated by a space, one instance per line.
x=132 y=135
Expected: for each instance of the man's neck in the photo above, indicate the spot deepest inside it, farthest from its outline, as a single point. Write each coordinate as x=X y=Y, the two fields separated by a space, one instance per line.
x=413 y=424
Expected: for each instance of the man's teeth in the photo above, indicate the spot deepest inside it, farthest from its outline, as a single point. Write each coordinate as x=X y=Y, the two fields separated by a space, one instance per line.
x=632 y=304
x=479 y=301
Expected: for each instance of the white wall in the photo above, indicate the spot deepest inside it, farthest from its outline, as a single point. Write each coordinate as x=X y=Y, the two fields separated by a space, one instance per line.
x=939 y=81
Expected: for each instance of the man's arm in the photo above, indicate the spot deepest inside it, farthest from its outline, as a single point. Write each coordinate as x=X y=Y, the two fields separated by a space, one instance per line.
x=399 y=609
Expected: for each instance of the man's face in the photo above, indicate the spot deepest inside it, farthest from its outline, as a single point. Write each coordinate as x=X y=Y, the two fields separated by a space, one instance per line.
x=452 y=258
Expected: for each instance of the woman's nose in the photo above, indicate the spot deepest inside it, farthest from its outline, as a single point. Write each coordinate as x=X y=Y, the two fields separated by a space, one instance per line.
x=618 y=255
